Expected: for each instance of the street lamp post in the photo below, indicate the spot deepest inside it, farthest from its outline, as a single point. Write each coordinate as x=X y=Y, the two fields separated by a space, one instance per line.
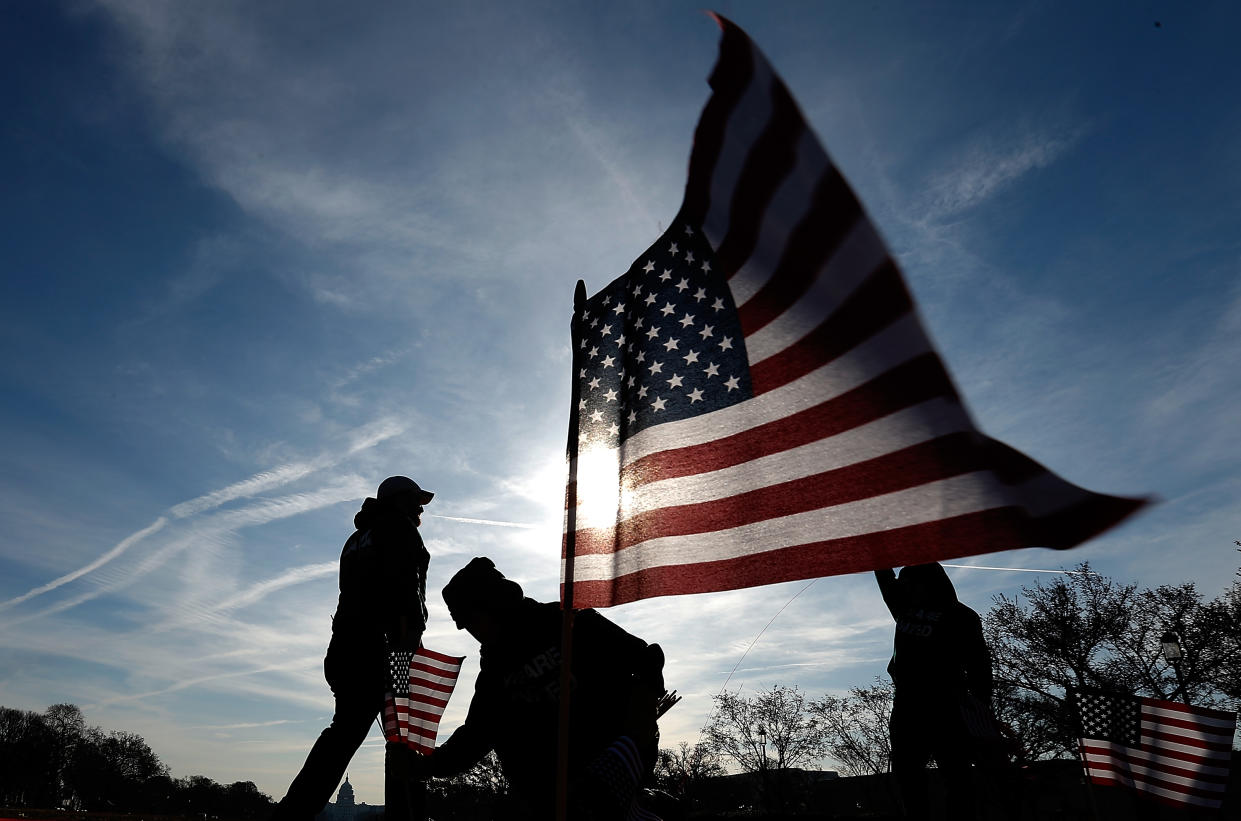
x=762 y=764
x=1170 y=645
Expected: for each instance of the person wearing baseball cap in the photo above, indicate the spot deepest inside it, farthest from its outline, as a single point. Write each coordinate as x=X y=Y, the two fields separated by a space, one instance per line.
x=382 y=607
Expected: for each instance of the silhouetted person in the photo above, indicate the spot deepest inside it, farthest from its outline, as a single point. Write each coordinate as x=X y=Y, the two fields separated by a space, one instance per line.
x=939 y=660
x=617 y=682
x=382 y=606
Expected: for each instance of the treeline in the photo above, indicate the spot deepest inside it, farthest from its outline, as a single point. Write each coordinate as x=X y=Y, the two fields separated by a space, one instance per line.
x=1078 y=630
x=54 y=759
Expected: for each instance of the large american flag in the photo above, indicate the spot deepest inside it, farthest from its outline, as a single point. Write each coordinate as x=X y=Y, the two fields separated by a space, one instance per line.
x=419 y=686
x=1167 y=750
x=758 y=401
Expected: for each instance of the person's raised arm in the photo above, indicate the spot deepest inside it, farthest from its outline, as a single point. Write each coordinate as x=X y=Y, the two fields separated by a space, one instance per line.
x=890 y=589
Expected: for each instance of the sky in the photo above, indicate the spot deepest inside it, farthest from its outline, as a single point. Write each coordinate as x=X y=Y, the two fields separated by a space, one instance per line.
x=258 y=257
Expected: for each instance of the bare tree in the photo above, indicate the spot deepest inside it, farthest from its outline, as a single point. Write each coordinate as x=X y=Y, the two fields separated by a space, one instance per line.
x=679 y=770
x=68 y=726
x=774 y=729
x=1227 y=616
x=1084 y=630
x=855 y=727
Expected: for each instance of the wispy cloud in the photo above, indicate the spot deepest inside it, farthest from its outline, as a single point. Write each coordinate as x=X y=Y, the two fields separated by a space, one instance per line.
x=242 y=725
x=371 y=365
x=259 y=483
x=491 y=522
x=990 y=164
x=360 y=439
x=210 y=530
x=1201 y=381
x=294 y=576
x=118 y=549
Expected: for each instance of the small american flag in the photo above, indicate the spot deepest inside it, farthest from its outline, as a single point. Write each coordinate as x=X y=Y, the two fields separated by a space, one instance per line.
x=758 y=401
x=1173 y=752
x=419 y=686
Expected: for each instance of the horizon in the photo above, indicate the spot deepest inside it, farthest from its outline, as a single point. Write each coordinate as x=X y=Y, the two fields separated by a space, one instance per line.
x=258 y=260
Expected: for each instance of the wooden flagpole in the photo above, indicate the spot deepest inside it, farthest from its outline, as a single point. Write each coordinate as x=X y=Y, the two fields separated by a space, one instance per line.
x=566 y=629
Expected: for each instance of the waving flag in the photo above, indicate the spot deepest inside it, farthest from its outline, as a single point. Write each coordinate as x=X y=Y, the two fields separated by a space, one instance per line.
x=420 y=684
x=757 y=400
x=1170 y=751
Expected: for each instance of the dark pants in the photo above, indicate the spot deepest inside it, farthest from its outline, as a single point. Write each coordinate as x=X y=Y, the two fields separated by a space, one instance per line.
x=924 y=728
x=358 y=681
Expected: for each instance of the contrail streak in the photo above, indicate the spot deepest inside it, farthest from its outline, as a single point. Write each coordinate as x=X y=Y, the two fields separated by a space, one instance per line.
x=297 y=575
x=1019 y=569
x=117 y=550
x=481 y=521
x=224 y=522
x=363 y=438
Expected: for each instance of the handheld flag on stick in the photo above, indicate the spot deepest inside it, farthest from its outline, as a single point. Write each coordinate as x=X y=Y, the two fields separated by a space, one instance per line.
x=1169 y=751
x=420 y=684
x=756 y=398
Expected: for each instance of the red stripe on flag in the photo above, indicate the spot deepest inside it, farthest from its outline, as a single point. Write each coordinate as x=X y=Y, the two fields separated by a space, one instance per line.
x=1155 y=736
x=906 y=385
x=728 y=82
x=940 y=458
x=1121 y=775
x=453 y=662
x=1192 y=712
x=1179 y=766
x=772 y=157
x=810 y=245
x=877 y=303
x=431 y=684
x=980 y=532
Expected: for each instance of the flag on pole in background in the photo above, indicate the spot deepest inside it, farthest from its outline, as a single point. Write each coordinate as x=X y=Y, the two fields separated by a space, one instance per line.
x=757 y=399
x=419 y=686
x=1170 y=751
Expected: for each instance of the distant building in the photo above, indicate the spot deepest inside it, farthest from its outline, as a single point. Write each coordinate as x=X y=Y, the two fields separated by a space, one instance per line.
x=345 y=808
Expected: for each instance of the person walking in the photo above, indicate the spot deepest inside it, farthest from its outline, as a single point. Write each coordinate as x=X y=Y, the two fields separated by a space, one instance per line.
x=382 y=607
x=940 y=662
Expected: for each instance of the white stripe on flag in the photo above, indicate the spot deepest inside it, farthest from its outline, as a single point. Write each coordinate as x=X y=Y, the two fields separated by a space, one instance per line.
x=926 y=503
x=794 y=196
x=860 y=254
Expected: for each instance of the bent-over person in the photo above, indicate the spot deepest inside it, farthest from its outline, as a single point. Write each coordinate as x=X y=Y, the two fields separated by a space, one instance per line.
x=617 y=683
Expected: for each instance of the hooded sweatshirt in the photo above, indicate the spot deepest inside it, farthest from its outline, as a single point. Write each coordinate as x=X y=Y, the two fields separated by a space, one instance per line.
x=515 y=706
x=383 y=578
x=939 y=648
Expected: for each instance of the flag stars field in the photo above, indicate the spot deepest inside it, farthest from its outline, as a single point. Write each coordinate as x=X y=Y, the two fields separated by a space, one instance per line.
x=669 y=298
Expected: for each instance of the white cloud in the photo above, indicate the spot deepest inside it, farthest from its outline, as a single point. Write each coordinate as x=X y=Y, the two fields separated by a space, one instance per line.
x=116 y=550
x=346 y=488
x=1194 y=394
x=989 y=165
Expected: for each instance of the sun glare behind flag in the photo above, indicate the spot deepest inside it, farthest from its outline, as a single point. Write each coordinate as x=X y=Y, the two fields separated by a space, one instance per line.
x=757 y=399
x=1169 y=751
x=419 y=686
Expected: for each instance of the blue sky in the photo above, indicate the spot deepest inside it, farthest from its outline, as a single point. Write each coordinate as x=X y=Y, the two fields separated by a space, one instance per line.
x=258 y=257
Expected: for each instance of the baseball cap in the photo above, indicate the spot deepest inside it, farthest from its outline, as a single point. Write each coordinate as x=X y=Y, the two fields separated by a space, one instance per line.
x=395 y=486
